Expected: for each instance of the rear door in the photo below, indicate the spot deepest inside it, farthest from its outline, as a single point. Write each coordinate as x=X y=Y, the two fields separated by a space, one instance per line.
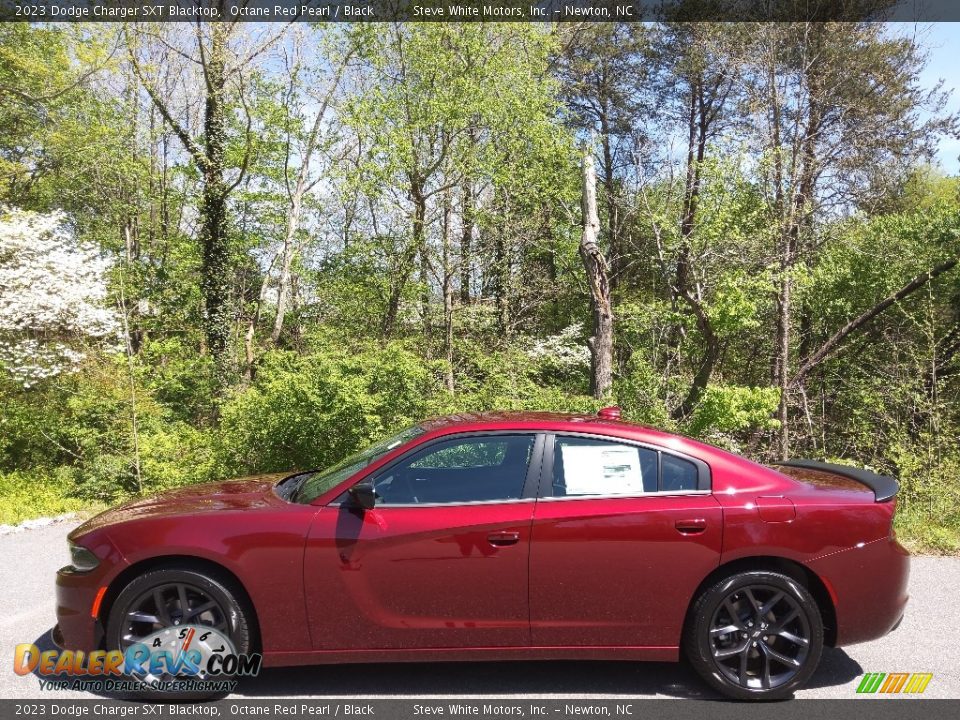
x=622 y=536
x=441 y=561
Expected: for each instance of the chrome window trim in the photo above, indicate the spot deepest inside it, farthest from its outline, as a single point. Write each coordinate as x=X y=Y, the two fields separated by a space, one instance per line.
x=659 y=493
x=513 y=501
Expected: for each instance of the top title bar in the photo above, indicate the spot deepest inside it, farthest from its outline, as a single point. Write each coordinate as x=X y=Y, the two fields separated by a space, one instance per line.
x=478 y=10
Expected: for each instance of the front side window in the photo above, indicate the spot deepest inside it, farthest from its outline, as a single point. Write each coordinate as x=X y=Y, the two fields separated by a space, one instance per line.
x=470 y=469
x=586 y=466
x=312 y=484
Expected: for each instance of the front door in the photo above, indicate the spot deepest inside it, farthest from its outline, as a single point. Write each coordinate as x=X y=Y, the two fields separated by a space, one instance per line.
x=441 y=561
x=621 y=539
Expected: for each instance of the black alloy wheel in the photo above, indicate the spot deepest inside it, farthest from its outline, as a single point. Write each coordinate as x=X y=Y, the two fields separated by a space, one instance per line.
x=167 y=597
x=170 y=604
x=756 y=635
x=759 y=636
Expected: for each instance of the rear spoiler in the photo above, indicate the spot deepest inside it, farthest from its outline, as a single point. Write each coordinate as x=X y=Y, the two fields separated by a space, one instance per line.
x=884 y=487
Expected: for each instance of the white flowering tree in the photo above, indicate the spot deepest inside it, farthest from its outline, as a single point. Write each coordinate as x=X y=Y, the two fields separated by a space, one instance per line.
x=53 y=296
x=564 y=352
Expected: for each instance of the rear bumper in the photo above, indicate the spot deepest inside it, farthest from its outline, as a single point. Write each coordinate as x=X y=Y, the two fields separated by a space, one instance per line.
x=868 y=585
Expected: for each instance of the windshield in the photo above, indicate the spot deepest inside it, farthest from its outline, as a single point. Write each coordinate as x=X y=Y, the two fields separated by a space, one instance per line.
x=314 y=484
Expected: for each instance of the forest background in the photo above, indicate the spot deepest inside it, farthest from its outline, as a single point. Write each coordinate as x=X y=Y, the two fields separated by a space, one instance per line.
x=237 y=248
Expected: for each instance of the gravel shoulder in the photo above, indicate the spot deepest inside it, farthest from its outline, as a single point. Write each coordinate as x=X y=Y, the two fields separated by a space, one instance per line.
x=926 y=641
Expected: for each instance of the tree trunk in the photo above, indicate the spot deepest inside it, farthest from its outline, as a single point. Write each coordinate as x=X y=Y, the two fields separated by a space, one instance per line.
x=782 y=363
x=215 y=282
x=796 y=223
x=283 y=283
x=499 y=271
x=407 y=262
x=501 y=285
x=698 y=128
x=447 y=295
x=466 y=241
x=613 y=241
x=425 y=297
x=595 y=265
x=295 y=209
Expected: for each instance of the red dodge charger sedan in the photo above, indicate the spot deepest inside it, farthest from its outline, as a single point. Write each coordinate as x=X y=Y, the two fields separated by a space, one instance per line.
x=509 y=536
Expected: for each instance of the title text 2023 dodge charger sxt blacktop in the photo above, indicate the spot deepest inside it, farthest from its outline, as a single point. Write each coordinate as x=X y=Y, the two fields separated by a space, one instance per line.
x=509 y=536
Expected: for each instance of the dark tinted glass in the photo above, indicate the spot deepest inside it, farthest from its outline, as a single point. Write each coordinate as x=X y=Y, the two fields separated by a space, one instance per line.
x=313 y=484
x=677 y=474
x=474 y=469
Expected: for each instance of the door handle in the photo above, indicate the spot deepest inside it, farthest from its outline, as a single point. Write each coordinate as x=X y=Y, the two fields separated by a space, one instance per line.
x=500 y=539
x=691 y=526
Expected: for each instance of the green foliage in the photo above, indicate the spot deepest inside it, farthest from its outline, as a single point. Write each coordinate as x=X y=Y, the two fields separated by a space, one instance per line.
x=178 y=378
x=306 y=411
x=26 y=495
x=310 y=411
x=735 y=306
x=641 y=394
x=79 y=430
x=728 y=411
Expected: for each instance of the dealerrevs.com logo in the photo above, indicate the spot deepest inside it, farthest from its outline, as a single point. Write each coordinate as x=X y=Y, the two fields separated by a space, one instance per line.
x=181 y=659
x=894 y=683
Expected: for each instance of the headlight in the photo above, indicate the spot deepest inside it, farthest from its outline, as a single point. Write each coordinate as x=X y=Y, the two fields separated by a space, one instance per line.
x=82 y=559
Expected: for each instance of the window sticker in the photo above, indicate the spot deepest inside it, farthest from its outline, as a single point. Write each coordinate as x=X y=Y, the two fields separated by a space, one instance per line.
x=601 y=470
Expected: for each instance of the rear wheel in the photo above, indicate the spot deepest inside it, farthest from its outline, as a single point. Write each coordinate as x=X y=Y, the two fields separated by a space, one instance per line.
x=755 y=636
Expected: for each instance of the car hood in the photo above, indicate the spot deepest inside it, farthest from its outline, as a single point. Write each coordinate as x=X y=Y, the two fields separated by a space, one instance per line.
x=241 y=494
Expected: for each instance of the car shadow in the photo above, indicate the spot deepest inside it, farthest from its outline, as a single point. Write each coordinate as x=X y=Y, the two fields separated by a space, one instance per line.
x=496 y=679
x=508 y=678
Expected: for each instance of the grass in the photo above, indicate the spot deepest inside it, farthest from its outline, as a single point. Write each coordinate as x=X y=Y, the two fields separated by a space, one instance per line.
x=931 y=536
x=25 y=496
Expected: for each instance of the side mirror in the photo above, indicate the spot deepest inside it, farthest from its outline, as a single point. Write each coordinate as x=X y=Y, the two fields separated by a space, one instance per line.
x=364 y=494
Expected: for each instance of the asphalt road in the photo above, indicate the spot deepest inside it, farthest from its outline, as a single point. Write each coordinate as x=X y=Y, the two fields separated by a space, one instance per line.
x=926 y=641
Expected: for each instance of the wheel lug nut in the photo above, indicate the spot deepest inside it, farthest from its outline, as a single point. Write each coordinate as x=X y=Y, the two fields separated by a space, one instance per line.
x=754 y=644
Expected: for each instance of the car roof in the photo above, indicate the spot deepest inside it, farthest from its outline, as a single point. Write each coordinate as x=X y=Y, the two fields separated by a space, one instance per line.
x=498 y=418
x=556 y=422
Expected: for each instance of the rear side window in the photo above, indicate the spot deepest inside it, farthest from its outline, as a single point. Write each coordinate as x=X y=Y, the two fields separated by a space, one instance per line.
x=586 y=466
x=677 y=474
x=471 y=469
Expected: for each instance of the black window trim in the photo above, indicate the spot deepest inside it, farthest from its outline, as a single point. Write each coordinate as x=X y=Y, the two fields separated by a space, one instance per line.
x=530 y=483
x=704 y=483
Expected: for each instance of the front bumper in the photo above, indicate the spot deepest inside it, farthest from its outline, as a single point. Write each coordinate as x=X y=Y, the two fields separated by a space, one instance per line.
x=76 y=628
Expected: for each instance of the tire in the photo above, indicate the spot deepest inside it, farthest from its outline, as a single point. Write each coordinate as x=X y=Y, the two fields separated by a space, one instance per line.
x=229 y=611
x=755 y=635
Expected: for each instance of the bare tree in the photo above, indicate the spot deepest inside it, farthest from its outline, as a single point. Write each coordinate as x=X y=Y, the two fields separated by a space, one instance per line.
x=300 y=185
x=598 y=281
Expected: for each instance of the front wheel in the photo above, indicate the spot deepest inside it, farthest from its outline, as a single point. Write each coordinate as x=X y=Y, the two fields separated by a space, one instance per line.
x=755 y=636
x=153 y=606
